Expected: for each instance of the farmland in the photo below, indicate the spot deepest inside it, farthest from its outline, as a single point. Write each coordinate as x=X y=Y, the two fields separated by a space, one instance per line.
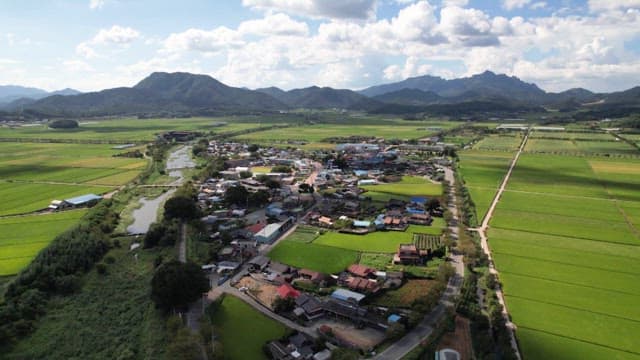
x=33 y=174
x=502 y=142
x=233 y=317
x=22 y=237
x=407 y=187
x=565 y=240
x=317 y=133
x=327 y=259
x=379 y=241
x=125 y=129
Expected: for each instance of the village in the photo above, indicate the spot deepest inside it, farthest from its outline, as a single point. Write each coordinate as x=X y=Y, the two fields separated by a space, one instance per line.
x=364 y=190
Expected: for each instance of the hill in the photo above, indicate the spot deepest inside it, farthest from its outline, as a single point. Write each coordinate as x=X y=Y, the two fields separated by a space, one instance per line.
x=410 y=97
x=11 y=93
x=322 y=98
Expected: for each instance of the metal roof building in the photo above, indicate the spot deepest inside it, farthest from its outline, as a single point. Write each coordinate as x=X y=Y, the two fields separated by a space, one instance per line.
x=346 y=295
x=83 y=200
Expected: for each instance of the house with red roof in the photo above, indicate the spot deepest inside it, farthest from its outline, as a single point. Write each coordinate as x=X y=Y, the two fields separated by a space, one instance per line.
x=285 y=290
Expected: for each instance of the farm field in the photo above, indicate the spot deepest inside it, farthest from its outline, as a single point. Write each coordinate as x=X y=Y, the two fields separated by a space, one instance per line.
x=243 y=331
x=407 y=294
x=326 y=259
x=571 y=135
x=504 y=142
x=22 y=237
x=318 y=133
x=33 y=174
x=565 y=241
x=599 y=147
x=407 y=187
x=482 y=172
x=126 y=129
x=379 y=241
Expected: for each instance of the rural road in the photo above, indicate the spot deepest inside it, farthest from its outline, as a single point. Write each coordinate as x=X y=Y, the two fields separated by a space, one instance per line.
x=482 y=231
x=414 y=337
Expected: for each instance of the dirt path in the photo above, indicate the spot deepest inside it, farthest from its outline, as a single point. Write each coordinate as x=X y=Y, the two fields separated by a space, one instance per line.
x=182 y=246
x=482 y=231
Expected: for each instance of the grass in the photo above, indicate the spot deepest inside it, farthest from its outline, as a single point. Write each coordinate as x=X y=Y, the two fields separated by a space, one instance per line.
x=112 y=317
x=243 y=331
x=304 y=234
x=326 y=259
x=22 y=237
x=379 y=241
x=499 y=143
x=383 y=262
x=407 y=187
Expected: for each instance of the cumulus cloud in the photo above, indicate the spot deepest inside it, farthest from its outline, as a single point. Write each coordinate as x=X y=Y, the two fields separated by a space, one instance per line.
x=461 y=3
x=116 y=35
x=599 y=5
x=274 y=24
x=514 y=4
x=469 y=27
x=208 y=41
x=96 y=4
x=343 y=9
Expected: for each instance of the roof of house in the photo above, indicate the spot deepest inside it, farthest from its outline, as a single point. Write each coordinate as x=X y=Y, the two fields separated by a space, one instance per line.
x=79 y=200
x=259 y=260
x=360 y=270
x=286 y=290
x=361 y=223
x=344 y=294
x=269 y=230
x=255 y=228
x=419 y=199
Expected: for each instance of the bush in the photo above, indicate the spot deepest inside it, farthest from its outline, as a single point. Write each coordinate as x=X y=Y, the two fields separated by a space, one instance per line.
x=177 y=284
x=101 y=268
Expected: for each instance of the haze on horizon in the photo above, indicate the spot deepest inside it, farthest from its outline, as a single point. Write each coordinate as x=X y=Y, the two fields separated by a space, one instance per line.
x=96 y=44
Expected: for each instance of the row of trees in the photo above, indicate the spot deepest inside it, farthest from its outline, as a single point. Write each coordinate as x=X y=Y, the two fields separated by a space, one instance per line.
x=56 y=271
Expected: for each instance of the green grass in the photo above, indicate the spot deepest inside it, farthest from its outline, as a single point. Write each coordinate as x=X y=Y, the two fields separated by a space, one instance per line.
x=22 y=237
x=383 y=262
x=243 y=331
x=112 y=317
x=304 y=234
x=326 y=259
x=379 y=241
x=406 y=294
x=407 y=187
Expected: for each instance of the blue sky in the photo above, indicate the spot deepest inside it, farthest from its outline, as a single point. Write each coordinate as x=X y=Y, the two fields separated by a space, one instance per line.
x=97 y=44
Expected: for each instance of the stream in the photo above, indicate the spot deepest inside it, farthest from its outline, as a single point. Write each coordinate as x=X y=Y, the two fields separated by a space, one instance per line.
x=147 y=214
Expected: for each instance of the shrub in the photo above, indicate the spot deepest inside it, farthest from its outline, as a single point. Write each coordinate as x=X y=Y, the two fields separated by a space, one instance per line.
x=64 y=124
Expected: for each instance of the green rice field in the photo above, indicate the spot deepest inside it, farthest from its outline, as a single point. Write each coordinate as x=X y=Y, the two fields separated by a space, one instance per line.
x=407 y=187
x=566 y=242
x=326 y=259
x=243 y=331
x=22 y=237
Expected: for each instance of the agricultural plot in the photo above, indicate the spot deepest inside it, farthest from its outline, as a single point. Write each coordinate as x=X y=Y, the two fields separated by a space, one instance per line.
x=482 y=172
x=406 y=295
x=318 y=133
x=565 y=241
x=33 y=174
x=243 y=331
x=379 y=241
x=126 y=129
x=407 y=187
x=499 y=143
x=584 y=144
x=569 y=135
x=326 y=259
x=22 y=237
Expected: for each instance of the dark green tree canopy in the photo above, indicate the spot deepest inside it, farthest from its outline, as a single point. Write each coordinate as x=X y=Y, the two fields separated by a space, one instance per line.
x=177 y=284
x=181 y=207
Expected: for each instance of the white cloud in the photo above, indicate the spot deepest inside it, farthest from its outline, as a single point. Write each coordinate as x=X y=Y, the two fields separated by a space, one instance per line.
x=77 y=65
x=538 y=5
x=207 y=41
x=469 y=27
x=96 y=4
x=115 y=35
x=342 y=9
x=412 y=67
x=599 y=5
x=514 y=4
x=274 y=24
x=460 y=3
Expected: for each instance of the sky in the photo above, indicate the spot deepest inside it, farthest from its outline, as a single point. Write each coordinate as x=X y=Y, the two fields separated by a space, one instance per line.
x=96 y=44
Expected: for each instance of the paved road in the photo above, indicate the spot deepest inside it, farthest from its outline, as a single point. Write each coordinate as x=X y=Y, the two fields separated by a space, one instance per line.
x=482 y=231
x=413 y=338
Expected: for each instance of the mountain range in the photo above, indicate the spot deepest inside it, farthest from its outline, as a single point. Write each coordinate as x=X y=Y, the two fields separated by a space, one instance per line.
x=201 y=94
x=10 y=93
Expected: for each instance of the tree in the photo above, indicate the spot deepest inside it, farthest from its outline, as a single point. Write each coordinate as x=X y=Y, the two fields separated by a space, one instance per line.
x=63 y=124
x=181 y=207
x=177 y=284
x=253 y=148
x=395 y=331
x=306 y=188
x=281 y=305
x=237 y=195
x=245 y=174
x=259 y=198
x=272 y=184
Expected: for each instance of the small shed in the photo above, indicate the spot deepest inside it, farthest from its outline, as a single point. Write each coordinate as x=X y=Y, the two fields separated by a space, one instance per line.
x=347 y=295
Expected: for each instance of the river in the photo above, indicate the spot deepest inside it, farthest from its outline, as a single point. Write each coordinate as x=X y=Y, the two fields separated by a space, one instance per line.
x=147 y=214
